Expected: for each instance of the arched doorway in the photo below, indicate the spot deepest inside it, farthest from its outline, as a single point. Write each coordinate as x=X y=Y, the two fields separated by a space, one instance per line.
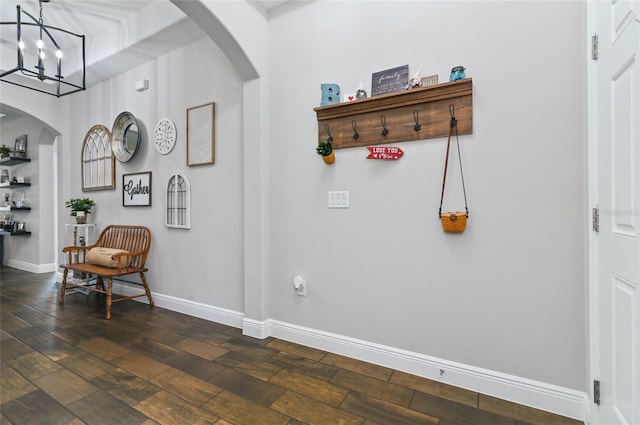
x=36 y=252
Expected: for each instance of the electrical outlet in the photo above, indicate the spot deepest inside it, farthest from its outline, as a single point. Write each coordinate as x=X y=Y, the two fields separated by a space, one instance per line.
x=300 y=286
x=338 y=199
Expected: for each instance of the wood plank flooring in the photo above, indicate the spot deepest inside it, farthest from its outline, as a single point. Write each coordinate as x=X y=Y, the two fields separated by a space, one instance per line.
x=69 y=366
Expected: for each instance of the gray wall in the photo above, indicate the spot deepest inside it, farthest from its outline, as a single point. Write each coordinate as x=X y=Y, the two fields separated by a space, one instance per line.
x=203 y=264
x=507 y=295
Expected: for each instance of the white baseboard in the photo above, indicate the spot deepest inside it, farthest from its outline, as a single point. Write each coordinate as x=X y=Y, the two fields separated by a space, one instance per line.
x=192 y=308
x=539 y=395
x=30 y=267
x=46 y=268
x=562 y=401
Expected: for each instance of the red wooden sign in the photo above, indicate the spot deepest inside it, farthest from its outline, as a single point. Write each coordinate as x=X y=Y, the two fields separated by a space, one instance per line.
x=384 y=152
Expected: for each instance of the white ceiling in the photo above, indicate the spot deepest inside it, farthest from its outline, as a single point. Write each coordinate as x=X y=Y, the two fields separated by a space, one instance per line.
x=103 y=22
x=84 y=17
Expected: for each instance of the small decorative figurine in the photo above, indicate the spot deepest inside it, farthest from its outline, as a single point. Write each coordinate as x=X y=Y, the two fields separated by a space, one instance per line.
x=415 y=81
x=457 y=73
x=330 y=94
x=361 y=94
x=349 y=97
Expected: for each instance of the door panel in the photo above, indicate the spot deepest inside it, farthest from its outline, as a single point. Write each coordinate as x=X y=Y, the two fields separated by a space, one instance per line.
x=617 y=246
x=625 y=302
x=625 y=171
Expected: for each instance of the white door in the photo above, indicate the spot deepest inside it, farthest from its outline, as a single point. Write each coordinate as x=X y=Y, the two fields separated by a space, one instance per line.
x=617 y=245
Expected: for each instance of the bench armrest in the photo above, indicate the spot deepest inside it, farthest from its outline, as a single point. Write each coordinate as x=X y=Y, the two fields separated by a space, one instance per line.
x=134 y=260
x=77 y=248
x=80 y=258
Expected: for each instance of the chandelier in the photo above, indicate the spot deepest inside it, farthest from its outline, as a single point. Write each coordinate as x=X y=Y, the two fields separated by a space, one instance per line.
x=47 y=59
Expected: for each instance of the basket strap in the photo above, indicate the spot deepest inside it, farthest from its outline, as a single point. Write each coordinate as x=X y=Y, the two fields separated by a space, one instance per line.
x=453 y=124
x=446 y=164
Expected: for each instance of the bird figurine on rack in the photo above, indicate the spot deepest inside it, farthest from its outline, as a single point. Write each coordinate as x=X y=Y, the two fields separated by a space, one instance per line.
x=416 y=80
x=361 y=94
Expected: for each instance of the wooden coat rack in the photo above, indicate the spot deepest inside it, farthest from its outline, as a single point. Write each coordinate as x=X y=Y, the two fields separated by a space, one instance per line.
x=415 y=114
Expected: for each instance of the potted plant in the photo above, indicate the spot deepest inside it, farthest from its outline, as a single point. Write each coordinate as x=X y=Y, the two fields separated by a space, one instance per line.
x=4 y=151
x=80 y=208
x=326 y=151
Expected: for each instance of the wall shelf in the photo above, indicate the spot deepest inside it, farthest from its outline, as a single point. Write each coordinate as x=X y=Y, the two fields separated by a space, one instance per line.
x=6 y=161
x=15 y=185
x=12 y=208
x=400 y=112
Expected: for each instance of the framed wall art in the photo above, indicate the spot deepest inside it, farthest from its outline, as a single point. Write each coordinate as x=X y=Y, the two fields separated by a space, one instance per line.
x=98 y=163
x=165 y=136
x=20 y=147
x=201 y=135
x=178 y=202
x=136 y=189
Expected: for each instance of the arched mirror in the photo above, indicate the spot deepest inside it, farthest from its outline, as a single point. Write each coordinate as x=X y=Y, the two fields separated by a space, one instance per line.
x=125 y=137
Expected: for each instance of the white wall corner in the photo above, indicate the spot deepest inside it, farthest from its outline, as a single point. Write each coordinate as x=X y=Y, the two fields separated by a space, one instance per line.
x=588 y=413
x=46 y=268
x=256 y=329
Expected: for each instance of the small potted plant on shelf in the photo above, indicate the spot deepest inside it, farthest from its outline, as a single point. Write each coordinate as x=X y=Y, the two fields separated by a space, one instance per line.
x=80 y=208
x=5 y=151
x=326 y=151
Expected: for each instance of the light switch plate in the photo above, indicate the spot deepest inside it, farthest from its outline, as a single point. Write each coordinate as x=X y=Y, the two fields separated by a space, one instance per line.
x=338 y=199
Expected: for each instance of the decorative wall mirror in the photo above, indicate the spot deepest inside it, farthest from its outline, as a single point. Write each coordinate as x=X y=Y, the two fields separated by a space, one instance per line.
x=201 y=135
x=125 y=136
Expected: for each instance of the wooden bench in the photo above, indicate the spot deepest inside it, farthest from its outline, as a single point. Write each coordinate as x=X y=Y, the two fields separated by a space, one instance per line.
x=135 y=240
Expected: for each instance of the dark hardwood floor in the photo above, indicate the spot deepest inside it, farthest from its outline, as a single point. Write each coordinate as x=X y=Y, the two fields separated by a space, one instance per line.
x=68 y=365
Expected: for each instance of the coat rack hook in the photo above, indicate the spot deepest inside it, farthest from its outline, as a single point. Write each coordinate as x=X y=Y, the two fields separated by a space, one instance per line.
x=416 y=127
x=329 y=136
x=356 y=136
x=385 y=131
x=452 y=112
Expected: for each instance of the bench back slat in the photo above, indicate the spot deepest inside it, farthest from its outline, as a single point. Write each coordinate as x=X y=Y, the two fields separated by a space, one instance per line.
x=129 y=238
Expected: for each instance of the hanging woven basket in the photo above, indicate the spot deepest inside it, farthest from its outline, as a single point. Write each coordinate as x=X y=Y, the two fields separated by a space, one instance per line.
x=329 y=159
x=454 y=222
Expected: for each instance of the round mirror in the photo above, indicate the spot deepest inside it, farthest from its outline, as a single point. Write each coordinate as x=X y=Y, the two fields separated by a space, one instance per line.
x=125 y=137
x=131 y=138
